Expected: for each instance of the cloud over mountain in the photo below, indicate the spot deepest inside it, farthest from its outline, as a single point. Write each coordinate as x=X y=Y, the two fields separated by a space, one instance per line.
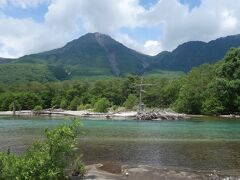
x=66 y=20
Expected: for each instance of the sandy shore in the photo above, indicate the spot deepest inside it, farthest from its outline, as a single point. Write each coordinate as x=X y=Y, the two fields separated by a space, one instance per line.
x=143 y=172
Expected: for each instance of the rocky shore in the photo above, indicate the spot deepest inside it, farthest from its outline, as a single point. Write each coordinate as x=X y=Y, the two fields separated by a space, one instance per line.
x=143 y=172
x=161 y=115
x=149 y=115
x=153 y=115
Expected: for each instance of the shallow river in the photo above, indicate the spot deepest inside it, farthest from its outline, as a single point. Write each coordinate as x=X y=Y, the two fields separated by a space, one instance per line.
x=201 y=144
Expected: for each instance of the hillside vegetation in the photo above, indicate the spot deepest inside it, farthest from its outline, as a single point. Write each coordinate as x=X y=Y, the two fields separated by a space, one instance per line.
x=19 y=73
x=208 y=89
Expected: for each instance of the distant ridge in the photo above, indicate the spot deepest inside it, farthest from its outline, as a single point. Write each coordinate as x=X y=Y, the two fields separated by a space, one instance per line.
x=194 y=53
x=96 y=54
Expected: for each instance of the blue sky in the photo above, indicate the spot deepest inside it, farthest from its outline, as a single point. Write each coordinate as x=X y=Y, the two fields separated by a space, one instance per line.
x=148 y=26
x=37 y=13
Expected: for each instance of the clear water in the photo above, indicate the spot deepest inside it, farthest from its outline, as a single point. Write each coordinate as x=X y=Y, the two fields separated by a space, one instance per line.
x=202 y=144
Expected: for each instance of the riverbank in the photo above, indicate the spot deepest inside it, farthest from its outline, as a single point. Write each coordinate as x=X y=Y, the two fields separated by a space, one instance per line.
x=85 y=113
x=142 y=172
x=160 y=115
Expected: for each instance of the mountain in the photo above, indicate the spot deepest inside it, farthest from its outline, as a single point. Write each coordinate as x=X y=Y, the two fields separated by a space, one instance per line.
x=5 y=60
x=194 y=53
x=91 y=55
x=98 y=55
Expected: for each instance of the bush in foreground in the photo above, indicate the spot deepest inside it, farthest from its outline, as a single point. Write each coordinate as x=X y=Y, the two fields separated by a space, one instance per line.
x=45 y=160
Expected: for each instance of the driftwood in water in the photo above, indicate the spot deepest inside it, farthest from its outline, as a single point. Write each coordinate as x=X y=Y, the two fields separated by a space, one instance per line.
x=160 y=116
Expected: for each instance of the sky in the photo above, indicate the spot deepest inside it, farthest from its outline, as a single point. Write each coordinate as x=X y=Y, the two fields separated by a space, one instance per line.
x=148 y=26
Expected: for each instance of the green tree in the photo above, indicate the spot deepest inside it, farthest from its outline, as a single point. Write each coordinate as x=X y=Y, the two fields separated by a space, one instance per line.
x=192 y=93
x=28 y=100
x=130 y=102
x=101 y=105
x=212 y=106
x=64 y=104
x=56 y=101
x=75 y=103
x=17 y=106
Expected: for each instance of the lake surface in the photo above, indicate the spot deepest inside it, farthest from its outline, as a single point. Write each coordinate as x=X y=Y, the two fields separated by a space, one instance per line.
x=201 y=144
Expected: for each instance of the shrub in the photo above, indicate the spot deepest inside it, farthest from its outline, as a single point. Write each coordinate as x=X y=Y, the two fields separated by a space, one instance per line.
x=130 y=102
x=37 y=109
x=101 y=105
x=81 y=107
x=78 y=168
x=88 y=106
x=44 y=160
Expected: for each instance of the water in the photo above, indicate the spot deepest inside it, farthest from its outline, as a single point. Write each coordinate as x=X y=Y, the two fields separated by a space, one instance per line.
x=201 y=144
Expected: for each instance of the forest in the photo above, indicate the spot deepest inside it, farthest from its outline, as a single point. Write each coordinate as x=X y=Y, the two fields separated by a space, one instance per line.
x=210 y=89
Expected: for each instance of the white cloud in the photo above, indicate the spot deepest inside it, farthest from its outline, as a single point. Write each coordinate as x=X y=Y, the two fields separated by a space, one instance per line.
x=65 y=20
x=212 y=19
x=152 y=47
x=24 y=36
x=103 y=16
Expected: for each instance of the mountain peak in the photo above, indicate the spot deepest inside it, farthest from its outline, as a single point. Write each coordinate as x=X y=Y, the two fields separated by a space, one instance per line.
x=93 y=54
x=96 y=35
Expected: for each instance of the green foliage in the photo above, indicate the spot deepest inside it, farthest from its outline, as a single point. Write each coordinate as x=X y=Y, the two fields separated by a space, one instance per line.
x=37 y=110
x=208 y=89
x=81 y=107
x=56 y=102
x=212 y=106
x=164 y=74
x=78 y=168
x=212 y=89
x=88 y=106
x=74 y=103
x=44 y=160
x=17 y=106
x=191 y=95
x=130 y=102
x=25 y=101
x=101 y=105
x=64 y=104
x=20 y=73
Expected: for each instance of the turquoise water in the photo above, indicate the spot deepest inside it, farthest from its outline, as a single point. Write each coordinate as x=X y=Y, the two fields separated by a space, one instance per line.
x=203 y=144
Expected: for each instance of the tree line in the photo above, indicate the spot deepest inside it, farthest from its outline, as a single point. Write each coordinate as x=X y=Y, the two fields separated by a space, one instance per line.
x=210 y=89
